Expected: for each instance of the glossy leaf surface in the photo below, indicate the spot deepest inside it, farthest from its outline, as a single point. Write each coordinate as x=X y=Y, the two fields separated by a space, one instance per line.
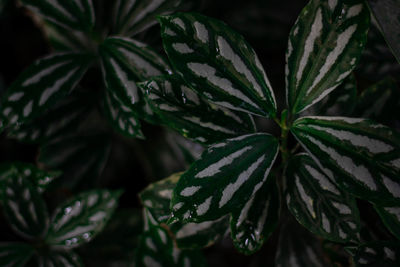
x=361 y=156
x=324 y=46
x=217 y=62
x=377 y=254
x=318 y=204
x=225 y=178
x=77 y=14
x=24 y=207
x=15 y=254
x=60 y=258
x=81 y=218
x=391 y=218
x=41 y=85
x=185 y=111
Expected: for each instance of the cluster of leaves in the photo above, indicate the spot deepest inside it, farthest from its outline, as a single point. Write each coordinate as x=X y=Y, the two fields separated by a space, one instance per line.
x=247 y=183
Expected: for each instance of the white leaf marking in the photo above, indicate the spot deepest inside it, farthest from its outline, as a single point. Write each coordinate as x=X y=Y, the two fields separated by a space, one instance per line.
x=182 y=48
x=201 y=32
x=305 y=197
x=42 y=74
x=190 y=191
x=204 y=207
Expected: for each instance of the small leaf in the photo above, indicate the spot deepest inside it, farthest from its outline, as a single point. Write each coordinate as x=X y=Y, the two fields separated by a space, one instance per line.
x=24 y=207
x=15 y=254
x=318 y=204
x=121 y=117
x=225 y=178
x=77 y=14
x=362 y=157
x=131 y=18
x=387 y=14
x=81 y=218
x=325 y=45
x=217 y=62
x=184 y=110
x=60 y=258
x=377 y=254
x=391 y=218
x=41 y=85
x=256 y=221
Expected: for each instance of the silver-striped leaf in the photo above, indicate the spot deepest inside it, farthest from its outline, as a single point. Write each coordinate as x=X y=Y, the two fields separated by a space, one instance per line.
x=317 y=202
x=24 y=207
x=126 y=61
x=387 y=14
x=121 y=117
x=252 y=225
x=41 y=85
x=75 y=14
x=391 y=218
x=377 y=254
x=324 y=46
x=15 y=254
x=60 y=258
x=39 y=178
x=81 y=218
x=225 y=178
x=132 y=17
x=361 y=156
x=217 y=62
x=187 y=112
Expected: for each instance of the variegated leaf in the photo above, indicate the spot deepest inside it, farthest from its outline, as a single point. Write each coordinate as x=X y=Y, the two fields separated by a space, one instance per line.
x=377 y=254
x=24 y=207
x=391 y=218
x=187 y=112
x=81 y=218
x=125 y=62
x=132 y=17
x=255 y=222
x=39 y=178
x=225 y=178
x=318 y=204
x=361 y=156
x=325 y=45
x=75 y=14
x=218 y=63
x=60 y=258
x=184 y=149
x=387 y=14
x=41 y=85
x=15 y=254
x=121 y=117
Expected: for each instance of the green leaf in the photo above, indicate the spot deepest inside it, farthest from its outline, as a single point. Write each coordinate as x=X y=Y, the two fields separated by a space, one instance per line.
x=186 y=111
x=60 y=258
x=81 y=218
x=41 y=85
x=184 y=150
x=391 y=218
x=39 y=178
x=362 y=157
x=77 y=14
x=225 y=178
x=217 y=62
x=15 y=254
x=377 y=254
x=318 y=204
x=133 y=17
x=325 y=45
x=255 y=222
x=23 y=206
x=387 y=14
x=121 y=117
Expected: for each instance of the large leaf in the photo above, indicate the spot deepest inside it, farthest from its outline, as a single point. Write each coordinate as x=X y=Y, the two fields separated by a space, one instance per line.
x=132 y=17
x=361 y=156
x=186 y=111
x=81 y=218
x=41 y=85
x=15 y=254
x=377 y=254
x=225 y=178
x=217 y=62
x=23 y=206
x=391 y=218
x=325 y=45
x=318 y=204
x=77 y=14
x=387 y=14
x=256 y=221
x=60 y=258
